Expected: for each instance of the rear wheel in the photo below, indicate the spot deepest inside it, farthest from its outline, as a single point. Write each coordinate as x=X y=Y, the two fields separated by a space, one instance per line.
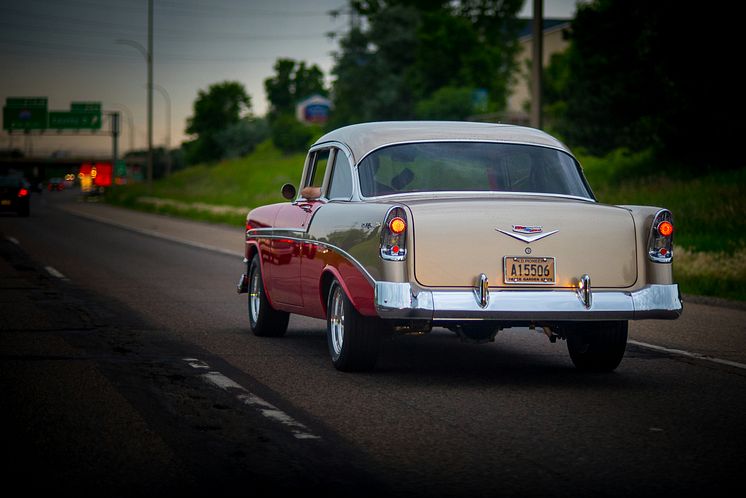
x=265 y=321
x=597 y=346
x=354 y=340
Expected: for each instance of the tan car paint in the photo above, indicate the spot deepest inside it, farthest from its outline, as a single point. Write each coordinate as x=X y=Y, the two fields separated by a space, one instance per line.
x=455 y=241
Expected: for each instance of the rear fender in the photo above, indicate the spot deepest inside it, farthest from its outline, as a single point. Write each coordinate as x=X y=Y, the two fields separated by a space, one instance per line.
x=358 y=289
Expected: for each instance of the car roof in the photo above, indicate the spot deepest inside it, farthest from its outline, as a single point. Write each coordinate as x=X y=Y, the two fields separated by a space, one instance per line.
x=365 y=137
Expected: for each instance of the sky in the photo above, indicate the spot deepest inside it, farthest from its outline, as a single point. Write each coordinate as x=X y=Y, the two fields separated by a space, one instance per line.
x=68 y=51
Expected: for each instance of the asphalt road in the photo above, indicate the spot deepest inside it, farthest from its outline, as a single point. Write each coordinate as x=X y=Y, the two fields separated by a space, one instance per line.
x=127 y=368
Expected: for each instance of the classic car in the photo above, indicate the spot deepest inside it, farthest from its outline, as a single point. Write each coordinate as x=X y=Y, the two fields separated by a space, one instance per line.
x=398 y=227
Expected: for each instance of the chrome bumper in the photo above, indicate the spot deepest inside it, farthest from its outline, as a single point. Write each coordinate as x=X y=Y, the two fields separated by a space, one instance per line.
x=407 y=301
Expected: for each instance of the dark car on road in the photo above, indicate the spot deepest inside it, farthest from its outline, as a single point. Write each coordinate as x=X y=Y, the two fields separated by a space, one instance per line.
x=56 y=184
x=15 y=193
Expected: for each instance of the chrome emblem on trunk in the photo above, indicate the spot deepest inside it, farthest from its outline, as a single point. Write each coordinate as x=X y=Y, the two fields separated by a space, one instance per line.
x=532 y=233
x=526 y=229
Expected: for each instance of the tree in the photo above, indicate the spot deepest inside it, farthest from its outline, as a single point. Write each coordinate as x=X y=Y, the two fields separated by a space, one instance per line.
x=450 y=103
x=411 y=49
x=293 y=81
x=220 y=107
x=640 y=74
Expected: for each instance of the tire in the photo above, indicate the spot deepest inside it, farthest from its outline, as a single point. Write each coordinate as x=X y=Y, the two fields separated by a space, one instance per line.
x=265 y=321
x=354 y=340
x=597 y=346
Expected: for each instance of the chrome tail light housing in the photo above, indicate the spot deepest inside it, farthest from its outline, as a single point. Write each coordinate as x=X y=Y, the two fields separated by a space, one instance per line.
x=394 y=235
x=660 y=241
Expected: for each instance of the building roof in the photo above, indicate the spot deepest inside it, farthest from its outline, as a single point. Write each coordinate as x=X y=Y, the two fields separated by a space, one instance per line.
x=365 y=137
x=526 y=29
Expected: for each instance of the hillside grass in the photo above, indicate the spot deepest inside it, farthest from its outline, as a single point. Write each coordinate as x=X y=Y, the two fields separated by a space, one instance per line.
x=199 y=192
x=709 y=215
x=709 y=209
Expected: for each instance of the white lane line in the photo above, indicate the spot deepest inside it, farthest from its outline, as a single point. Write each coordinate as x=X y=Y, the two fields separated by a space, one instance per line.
x=13 y=240
x=688 y=354
x=195 y=363
x=55 y=273
x=299 y=430
x=264 y=407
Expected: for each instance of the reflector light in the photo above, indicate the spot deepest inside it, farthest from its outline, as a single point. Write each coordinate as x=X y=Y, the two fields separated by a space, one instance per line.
x=248 y=226
x=22 y=193
x=397 y=225
x=665 y=228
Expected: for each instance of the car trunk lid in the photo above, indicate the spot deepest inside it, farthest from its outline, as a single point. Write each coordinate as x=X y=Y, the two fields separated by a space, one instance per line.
x=457 y=240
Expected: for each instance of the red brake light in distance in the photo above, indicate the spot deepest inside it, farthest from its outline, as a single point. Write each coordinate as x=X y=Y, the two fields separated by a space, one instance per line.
x=397 y=225
x=665 y=228
x=22 y=193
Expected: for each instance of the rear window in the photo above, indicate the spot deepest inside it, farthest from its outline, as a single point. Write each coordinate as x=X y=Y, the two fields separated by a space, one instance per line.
x=470 y=166
x=10 y=181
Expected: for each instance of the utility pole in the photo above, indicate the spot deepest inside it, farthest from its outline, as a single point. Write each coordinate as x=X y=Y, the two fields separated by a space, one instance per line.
x=167 y=98
x=150 y=95
x=114 y=138
x=537 y=46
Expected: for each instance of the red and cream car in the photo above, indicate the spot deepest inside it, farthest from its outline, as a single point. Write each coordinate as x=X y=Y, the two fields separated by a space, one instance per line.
x=403 y=226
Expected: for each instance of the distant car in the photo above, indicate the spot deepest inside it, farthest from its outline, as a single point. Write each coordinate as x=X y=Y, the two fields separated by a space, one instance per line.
x=15 y=194
x=403 y=226
x=56 y=185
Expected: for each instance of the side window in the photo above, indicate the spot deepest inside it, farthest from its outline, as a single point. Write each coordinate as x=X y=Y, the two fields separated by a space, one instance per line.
x=341 y=179
x=316 y=178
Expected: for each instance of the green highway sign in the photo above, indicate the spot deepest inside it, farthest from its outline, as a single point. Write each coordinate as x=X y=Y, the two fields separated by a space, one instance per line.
x=85 y=107
x=74 y=120
x=26 y=102
x=30 y=113
x=23 y=118
x=25 y=113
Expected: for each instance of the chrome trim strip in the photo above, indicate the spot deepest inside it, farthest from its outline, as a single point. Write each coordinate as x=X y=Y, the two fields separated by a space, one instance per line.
x=478 y=193
x=266 y=235
x=259 y=231
x=408 y=301
x=527 y=238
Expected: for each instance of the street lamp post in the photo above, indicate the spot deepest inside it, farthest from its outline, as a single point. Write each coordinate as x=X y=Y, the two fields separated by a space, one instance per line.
x=148 y=54
x=150 y=95
x=167 y=98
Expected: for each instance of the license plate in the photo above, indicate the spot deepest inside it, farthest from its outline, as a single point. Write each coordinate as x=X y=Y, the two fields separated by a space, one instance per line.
x=528 y=270
x=5 y=202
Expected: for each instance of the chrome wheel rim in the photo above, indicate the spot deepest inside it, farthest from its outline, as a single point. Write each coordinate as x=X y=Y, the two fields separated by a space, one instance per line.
x=336 y=322
x=254 y=301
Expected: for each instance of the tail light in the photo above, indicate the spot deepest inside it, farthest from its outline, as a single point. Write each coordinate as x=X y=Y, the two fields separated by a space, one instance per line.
x=660 y=242
x=22 y=192
x=394 y=235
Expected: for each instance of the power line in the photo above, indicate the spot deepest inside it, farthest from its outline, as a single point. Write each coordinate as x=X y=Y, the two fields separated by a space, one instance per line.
x=161 y=56
x=210 y=37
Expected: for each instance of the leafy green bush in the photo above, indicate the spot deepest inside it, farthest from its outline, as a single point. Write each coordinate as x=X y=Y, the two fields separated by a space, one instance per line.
x=289 y=135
